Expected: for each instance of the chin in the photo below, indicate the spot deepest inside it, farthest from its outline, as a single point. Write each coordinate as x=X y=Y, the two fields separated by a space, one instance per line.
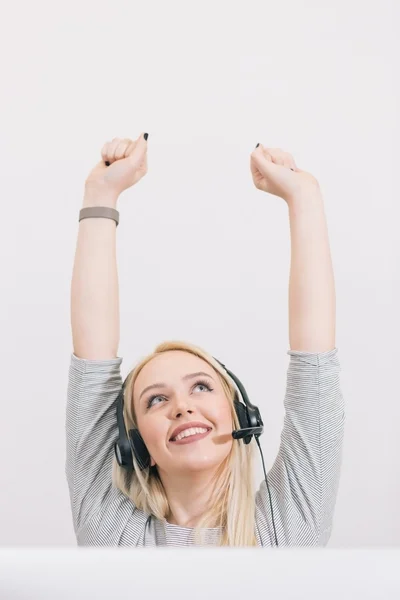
x=198 y=462
x=196 y=466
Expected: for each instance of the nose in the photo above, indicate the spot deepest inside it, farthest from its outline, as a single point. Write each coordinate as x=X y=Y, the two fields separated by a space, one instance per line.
x=182 y=405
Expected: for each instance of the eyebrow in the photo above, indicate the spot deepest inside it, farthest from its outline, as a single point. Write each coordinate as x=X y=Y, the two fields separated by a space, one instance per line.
x=164 y=385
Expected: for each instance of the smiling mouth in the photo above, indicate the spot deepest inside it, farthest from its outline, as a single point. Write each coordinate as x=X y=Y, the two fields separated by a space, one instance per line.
x=187 y=436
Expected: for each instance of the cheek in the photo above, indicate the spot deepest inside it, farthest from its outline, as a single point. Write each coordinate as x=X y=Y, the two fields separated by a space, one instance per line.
x=153 y=432
x=222 y=415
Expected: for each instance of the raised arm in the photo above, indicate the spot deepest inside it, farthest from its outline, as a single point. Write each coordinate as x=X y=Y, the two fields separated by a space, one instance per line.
x=94 y=374
x=94 y=288
x=312 y=304
x=305 y=475
x=311 y=287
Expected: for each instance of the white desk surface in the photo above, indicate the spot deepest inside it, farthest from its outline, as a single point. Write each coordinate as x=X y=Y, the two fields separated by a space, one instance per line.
x=194 y=573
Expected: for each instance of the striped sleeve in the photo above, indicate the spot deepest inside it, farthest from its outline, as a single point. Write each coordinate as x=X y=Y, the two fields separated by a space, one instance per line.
x=91 y=431
x=305 y=475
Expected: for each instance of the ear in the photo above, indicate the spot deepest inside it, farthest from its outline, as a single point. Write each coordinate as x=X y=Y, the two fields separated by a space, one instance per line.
x=152 y=462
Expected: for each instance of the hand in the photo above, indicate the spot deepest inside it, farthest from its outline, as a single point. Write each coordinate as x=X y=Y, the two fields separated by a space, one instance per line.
x=127 y=165
x=274 y=171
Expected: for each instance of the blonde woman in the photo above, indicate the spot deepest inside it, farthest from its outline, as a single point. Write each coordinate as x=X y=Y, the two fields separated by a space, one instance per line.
x=179 y=406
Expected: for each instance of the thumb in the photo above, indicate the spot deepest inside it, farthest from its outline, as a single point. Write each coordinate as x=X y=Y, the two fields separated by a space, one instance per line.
x=138 y=151
x=263 y=164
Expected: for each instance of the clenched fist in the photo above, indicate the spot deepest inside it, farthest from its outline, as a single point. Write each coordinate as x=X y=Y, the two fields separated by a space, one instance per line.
x=274 y=171
x=124 y=163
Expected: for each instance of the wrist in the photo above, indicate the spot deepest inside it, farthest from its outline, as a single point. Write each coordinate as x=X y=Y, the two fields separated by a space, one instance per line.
x=305 y=202
x=99 y=197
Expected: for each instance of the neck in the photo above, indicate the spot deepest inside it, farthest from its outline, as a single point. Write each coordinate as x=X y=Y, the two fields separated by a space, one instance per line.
x=189 y=496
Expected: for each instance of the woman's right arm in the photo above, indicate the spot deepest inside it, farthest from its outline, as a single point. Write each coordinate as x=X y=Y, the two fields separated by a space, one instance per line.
x=94 y=289
x=94 y=375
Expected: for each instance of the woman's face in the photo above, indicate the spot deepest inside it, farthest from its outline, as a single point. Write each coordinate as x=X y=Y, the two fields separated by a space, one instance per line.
x=182 y=413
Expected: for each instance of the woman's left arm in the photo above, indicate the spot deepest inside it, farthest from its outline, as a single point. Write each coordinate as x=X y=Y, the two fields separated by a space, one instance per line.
x=312 y=302
x=313 y=401
x=305 y=475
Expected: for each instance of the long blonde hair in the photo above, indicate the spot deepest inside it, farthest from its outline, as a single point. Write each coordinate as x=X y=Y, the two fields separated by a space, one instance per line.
x=233 y=503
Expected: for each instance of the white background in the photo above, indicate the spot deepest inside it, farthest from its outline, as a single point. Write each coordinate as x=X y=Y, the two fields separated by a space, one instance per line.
x=202 y=254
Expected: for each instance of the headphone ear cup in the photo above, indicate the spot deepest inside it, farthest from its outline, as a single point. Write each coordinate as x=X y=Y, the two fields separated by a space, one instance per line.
x=122 y=447
x=242 y=415
x=139 y=449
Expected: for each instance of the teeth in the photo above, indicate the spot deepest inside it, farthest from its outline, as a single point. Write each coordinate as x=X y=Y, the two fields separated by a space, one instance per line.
x=188 y=432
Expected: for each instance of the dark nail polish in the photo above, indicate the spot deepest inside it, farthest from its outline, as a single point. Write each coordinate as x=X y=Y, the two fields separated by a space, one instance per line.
x=258 y=144
x=146 y=135
x=107 y=163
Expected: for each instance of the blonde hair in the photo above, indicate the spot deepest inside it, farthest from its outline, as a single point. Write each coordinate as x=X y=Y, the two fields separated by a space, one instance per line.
x=233 y=502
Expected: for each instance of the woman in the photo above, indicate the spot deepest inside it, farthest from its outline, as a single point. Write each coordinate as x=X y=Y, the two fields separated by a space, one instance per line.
x=197 y=486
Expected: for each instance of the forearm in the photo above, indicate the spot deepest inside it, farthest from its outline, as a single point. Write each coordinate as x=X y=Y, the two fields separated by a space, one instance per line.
x=312 y=302
x=94 y=287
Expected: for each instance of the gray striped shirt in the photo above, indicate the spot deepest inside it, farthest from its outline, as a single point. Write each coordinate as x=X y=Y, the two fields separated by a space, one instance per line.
x=303 y=479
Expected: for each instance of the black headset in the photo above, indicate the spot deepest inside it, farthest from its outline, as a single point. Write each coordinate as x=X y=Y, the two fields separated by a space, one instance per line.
x=131 y=443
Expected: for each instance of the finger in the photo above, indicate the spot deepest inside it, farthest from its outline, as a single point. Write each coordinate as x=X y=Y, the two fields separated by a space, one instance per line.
x=104 y=152
x=257 y=154
x=289 y=160
x=278 y=156
x=142 y=167
x=108 y=150
x=113 y=147
x=284 y=158
x=130 y=148
x=263 y=162
x=138 y=150
x=145 y=165
x=121 y=149
x=263 y=152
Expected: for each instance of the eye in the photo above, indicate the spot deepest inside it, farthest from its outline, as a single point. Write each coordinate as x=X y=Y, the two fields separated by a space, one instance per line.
x=156 y=399
x=152 y=400
x=203 y=384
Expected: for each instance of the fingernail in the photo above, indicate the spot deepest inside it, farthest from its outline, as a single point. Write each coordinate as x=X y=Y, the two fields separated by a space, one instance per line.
x=146 y=135
x=107 y=163
x=258 y=144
